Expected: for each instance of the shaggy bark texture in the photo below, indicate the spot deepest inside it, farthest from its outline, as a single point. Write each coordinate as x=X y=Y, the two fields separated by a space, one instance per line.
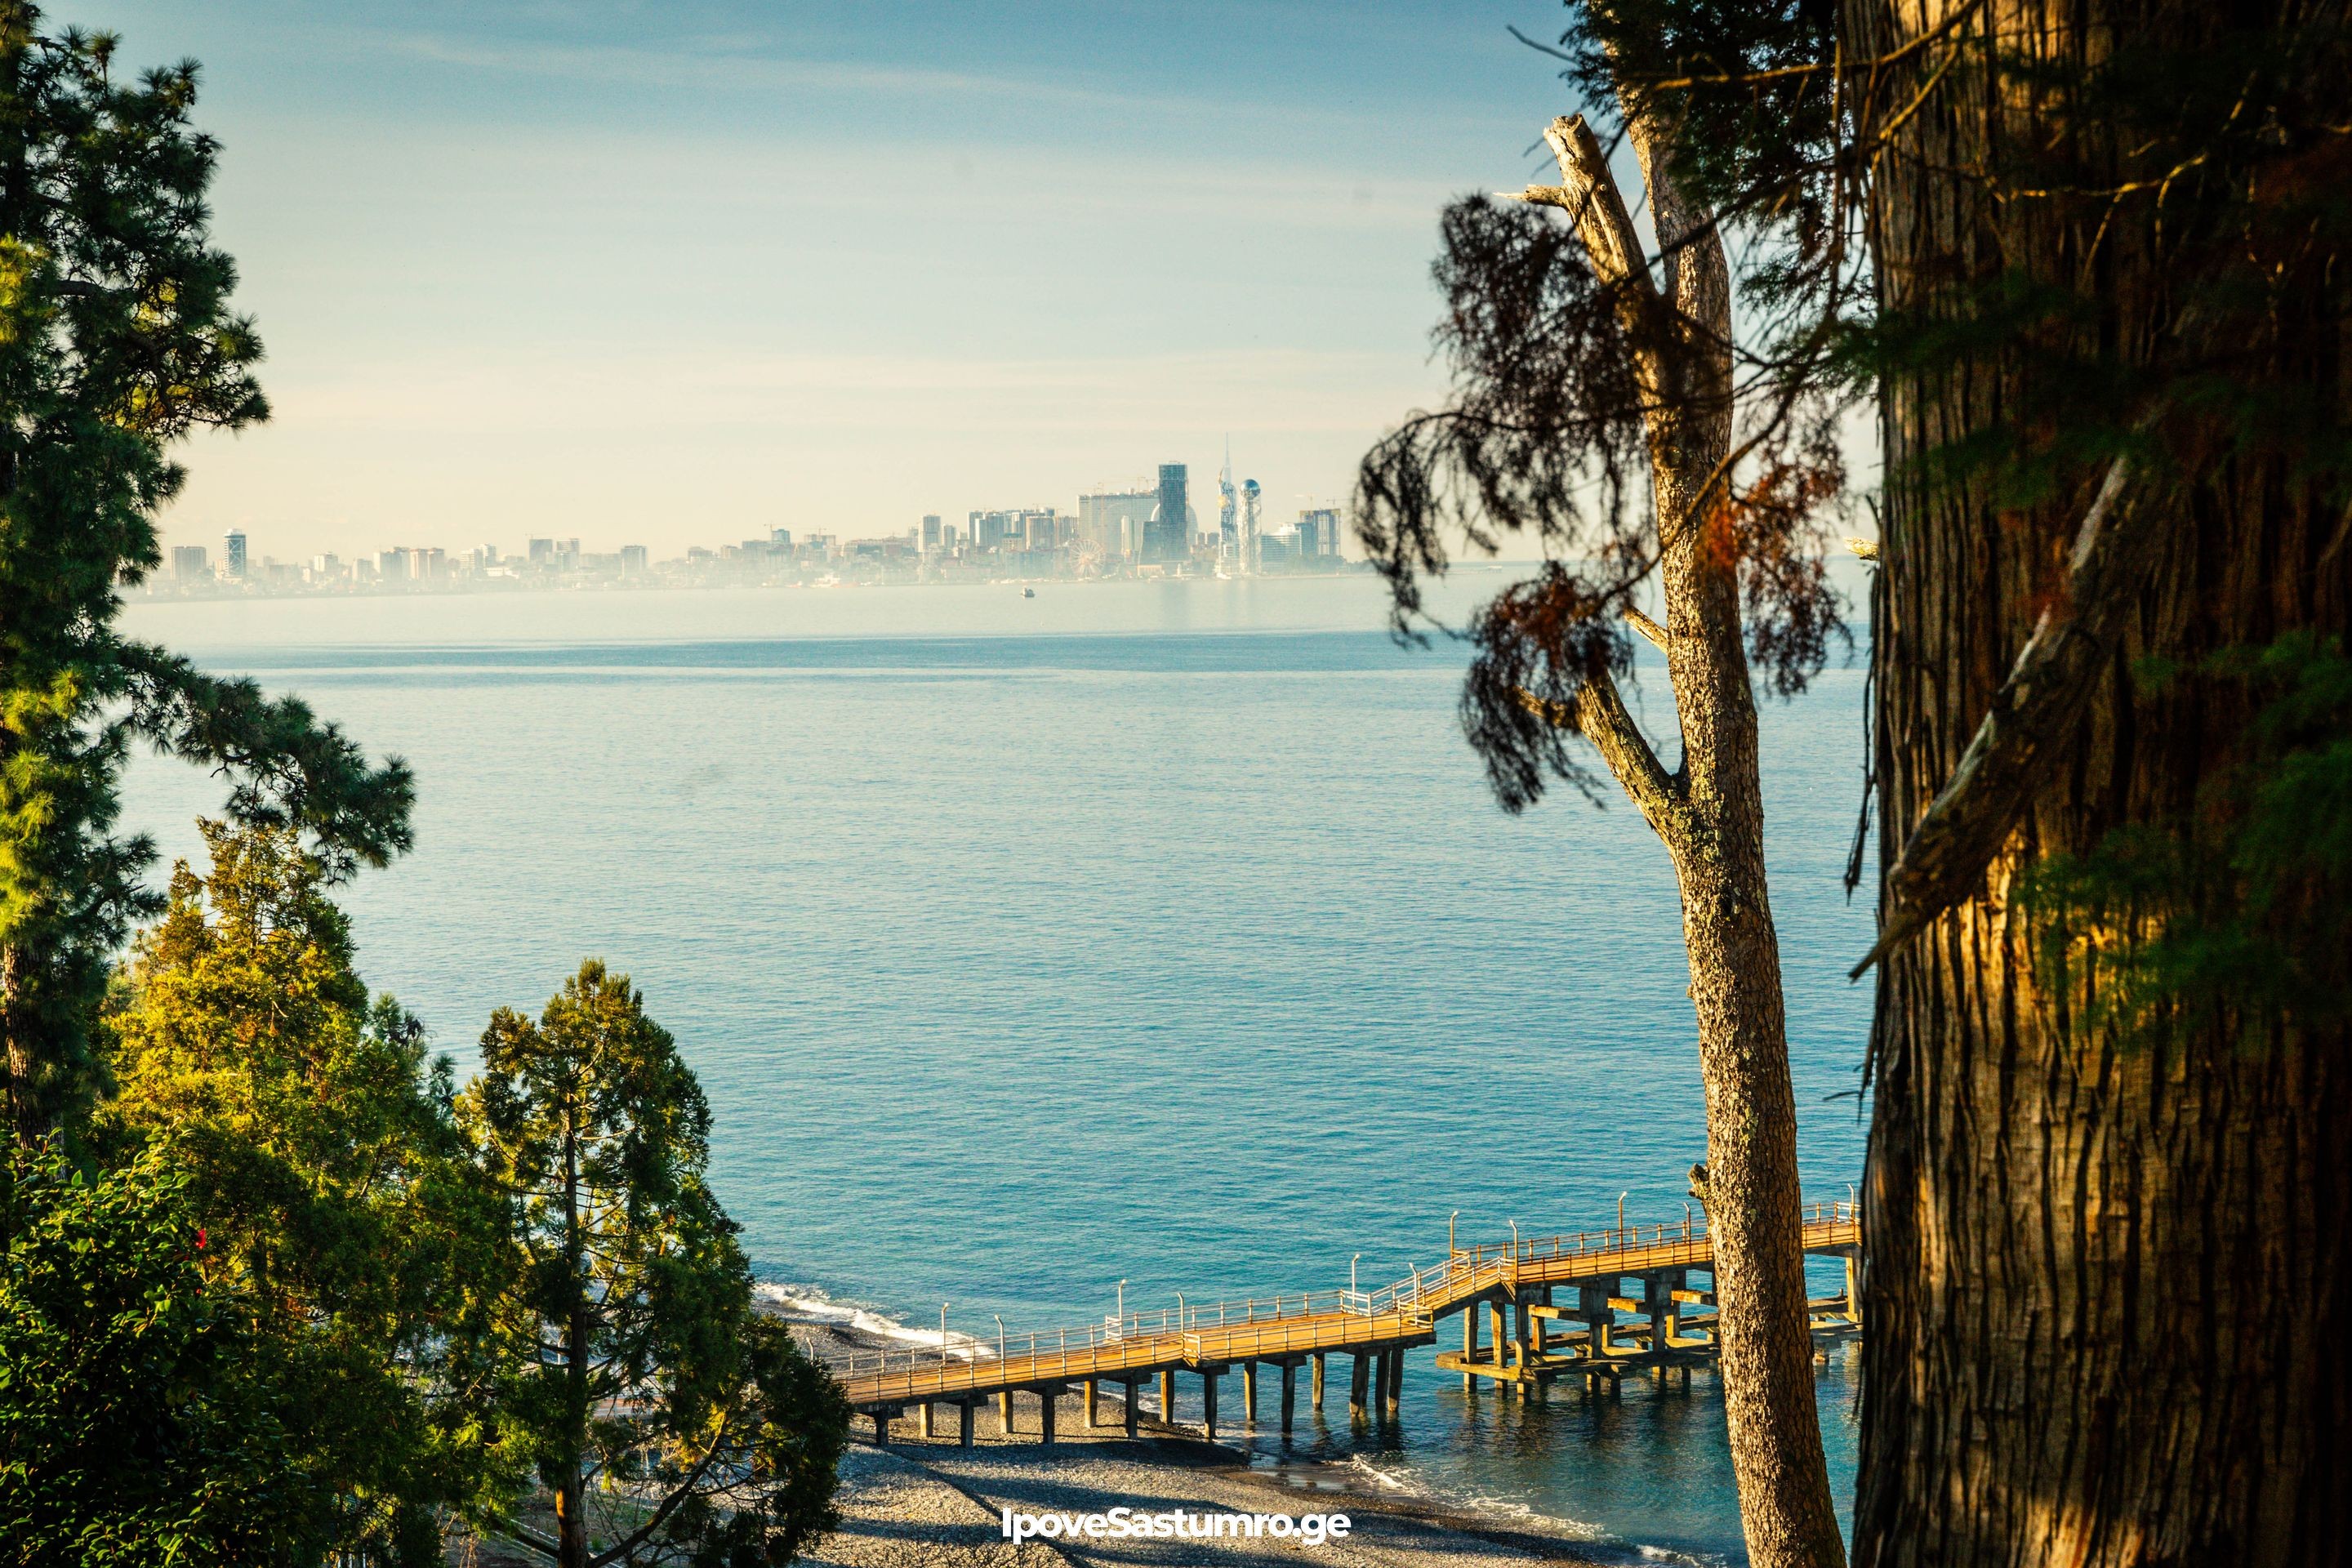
x=2105 y=1280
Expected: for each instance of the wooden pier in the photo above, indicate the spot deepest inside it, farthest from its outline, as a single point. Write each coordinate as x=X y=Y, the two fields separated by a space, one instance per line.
x=1595 y=1305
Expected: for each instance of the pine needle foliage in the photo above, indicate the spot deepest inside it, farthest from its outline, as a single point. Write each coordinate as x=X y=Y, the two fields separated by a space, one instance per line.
x=318 y=1144
x=2235 y=921
x=669 y=1422
x=2225 y=169
x=117 y=339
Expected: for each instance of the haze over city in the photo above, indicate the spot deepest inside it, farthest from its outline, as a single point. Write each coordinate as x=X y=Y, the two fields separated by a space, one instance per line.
x=685 y=274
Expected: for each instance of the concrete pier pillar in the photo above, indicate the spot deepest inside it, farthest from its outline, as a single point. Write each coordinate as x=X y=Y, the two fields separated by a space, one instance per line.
x=1393 y=1397
x=1289 y=1392
x=1592 y=1306
x=1047 y=1399
x=964 y=1424
x=1317 y=1380
x=1469 y=1343
x=1668 y=1318
x=1134 y=1397
x=1497 y=1333
x=1168 y=1399
x=1249 y=1394
x=881 y=1429
x=923 y=1418
x=1209 y=1376
x=1359 y=1384
x=1090 y=1404
x=1854 y=1291
x=1005 y=1411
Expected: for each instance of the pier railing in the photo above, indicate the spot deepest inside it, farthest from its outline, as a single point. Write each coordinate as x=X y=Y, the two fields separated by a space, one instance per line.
x=1114 y=1342
x=1305 y=1321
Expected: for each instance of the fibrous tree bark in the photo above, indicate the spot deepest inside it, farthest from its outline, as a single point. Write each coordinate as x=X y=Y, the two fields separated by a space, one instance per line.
x=1709 y=814
x=2105 y=1278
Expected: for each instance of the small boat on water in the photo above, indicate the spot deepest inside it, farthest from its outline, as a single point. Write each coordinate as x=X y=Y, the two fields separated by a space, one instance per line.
x=1028 y=592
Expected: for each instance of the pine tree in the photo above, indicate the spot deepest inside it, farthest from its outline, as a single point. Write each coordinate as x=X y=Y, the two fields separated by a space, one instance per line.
x=117 y=339
x=1598 y=412
x=2093 y=260
x=667 y=1419
x=319 y=1148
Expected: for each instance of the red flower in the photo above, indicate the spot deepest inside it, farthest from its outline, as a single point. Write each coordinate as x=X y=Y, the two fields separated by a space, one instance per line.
x=200 y=1238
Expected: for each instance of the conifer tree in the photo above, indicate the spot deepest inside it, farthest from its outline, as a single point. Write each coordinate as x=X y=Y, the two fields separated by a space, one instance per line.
x=319 y=1148
x=1600 y=412
x=667 y=1420
x=2093 y=262
x=117 y=339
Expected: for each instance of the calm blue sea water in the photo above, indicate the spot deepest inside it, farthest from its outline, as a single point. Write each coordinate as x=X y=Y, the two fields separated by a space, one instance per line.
x=1162 y=933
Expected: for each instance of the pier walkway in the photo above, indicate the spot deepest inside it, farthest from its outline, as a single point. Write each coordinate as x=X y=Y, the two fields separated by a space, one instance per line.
x=1533 y=1336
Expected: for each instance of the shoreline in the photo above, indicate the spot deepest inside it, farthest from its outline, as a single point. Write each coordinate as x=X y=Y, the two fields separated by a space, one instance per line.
x=925 y=1501
x=900 y=1502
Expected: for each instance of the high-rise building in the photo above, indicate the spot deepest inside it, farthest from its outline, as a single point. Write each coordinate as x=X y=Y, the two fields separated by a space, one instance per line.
x=188 y=562
x=1168 y=538
x=233 y=554
x=633 y=561
x=1038 y=530
x=930 y=532
x=779 y=540
x=391 y=565
x=1318 y=534
x=1113 y=522
x=326 y=569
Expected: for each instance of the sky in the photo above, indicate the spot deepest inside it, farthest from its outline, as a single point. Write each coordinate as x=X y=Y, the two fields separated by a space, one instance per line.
x=683 y=273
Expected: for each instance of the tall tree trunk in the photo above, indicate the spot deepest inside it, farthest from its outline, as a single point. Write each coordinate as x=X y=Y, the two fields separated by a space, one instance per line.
x=2104 y=1286
x=25 y=1120
x=570 y=1517
x=1710 y=815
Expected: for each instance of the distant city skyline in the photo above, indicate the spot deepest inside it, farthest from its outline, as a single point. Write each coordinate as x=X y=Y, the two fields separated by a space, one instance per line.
x=1110 y=537
x=1143 y=495
x=653 y=274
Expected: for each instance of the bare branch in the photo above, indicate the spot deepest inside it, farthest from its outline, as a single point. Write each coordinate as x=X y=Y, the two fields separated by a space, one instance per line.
x=1598 y=713
x=2032 y=716
x=1589 y=192
x=1647 y=627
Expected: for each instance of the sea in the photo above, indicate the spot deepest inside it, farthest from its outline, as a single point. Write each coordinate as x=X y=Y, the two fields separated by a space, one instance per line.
x=1046 y=956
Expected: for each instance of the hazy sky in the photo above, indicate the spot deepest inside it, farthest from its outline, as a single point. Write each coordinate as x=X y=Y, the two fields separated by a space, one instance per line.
x=682 y=272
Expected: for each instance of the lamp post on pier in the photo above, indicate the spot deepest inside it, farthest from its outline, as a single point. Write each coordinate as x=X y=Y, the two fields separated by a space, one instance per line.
x=1449 y=1230
x=1122 y=1306
x=1351 y=1274
x=1000 y=1335
x=1621 y=1217
x=943 y=1333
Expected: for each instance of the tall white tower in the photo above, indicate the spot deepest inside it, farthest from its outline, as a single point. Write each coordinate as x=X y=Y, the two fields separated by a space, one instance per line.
x=1249 y=527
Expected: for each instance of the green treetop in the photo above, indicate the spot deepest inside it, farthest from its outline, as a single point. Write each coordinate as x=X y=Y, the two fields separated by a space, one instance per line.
x=117 y=339
x=671 y=1422
x=320 y=1151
